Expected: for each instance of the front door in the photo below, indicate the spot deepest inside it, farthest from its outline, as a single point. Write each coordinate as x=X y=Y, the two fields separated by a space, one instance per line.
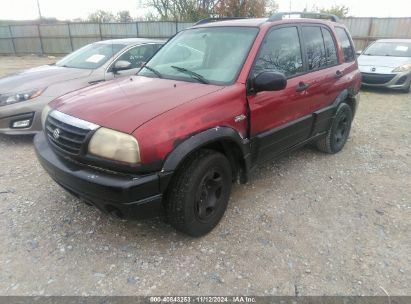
x=280 y=119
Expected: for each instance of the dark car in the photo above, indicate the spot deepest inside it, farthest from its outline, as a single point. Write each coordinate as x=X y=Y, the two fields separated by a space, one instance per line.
x=215 y=101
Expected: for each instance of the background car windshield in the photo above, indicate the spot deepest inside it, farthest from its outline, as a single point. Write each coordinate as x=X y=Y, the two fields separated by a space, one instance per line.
x=395 y=49
x=91 y=56
x=215 y=53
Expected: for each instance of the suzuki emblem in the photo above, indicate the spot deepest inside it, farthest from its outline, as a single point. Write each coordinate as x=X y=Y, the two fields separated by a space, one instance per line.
x=56 y=133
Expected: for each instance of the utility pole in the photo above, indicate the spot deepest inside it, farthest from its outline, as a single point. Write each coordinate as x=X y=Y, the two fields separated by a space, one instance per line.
x=38 y=6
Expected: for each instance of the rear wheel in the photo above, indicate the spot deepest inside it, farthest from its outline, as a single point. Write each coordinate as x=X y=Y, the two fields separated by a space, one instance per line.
x=339 y=131
x=199 y=192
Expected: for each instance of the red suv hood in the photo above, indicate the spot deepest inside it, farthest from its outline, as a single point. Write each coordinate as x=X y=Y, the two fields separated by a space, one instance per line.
x=126 y=104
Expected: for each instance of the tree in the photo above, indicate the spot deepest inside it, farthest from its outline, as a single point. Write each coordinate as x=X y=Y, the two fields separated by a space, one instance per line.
x=340 y=11
x=124 y=16
x=271 y=7
x=241 y=8
x=194 y=10
x=163 y=7
x=101 y=16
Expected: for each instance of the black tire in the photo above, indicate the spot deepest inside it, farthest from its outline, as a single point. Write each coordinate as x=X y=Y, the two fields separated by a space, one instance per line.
x=198 y=194
x=338 y=132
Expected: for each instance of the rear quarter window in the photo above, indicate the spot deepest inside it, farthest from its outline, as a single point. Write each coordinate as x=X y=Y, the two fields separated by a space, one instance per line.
x=345 y=41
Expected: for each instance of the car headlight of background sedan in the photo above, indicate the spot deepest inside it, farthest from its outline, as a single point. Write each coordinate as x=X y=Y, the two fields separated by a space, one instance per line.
x=44 y=115
x=403 y=68
x=114 y=145
x=10 y=98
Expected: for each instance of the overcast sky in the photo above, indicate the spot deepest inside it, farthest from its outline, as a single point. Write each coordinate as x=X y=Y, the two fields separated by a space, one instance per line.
x=27 y=9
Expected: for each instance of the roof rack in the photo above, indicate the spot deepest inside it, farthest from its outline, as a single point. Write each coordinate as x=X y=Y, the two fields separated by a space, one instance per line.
x=314 y=15
x=215 y=19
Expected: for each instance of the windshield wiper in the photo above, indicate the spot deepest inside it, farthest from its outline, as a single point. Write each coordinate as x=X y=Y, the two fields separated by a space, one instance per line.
x=192 y=74
x=154 y=71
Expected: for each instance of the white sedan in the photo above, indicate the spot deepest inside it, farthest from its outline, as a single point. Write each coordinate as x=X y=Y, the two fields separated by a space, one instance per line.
x=387 y=63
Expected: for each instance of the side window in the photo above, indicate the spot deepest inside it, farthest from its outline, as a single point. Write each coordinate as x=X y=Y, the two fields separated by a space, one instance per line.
x=314 y=47
x=348 y=50
x=138 y=55
x=330 y=50
x=281 y=52
x=157 y=47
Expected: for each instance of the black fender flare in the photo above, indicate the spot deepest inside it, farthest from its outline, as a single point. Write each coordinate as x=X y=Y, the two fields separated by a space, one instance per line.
x=201 y=139
x=349 y=96
x=340 y=98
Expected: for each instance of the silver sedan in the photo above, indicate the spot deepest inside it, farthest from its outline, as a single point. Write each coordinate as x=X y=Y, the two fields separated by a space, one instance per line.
x=24 y=95
x=387 y=63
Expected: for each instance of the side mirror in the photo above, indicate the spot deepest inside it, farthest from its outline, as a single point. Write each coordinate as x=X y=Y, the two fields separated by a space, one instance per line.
x=121 y=65
x=359 y=52
x=269 y=81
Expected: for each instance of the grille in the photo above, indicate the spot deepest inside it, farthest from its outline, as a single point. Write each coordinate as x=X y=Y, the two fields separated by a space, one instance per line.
x=376 y=78
x=67 y=134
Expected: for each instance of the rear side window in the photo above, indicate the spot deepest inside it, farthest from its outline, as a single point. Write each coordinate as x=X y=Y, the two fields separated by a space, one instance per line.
x=314 y=45
x=345 y=41
x=280 y=52
x=330 y=50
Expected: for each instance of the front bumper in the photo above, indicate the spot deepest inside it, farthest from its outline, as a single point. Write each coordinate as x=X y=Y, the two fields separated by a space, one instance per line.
x=391 y=81
x=30 y=109
x=122 y=195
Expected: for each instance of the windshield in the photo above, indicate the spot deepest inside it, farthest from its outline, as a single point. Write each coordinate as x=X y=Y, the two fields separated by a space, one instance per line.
x=208 y=55
x=394 y=49
x=91 y=56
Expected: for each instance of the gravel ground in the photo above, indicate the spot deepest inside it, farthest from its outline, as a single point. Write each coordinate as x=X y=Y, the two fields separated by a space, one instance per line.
x=306 y=224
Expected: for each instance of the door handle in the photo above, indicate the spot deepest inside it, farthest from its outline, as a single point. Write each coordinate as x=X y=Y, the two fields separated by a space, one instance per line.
x=338 y=74
x=302 y=86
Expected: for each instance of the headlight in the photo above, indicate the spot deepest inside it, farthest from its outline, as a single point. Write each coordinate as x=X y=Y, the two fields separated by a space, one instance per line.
x=403 y=68
x=44 y=115
x=114 y=145
x=10 y=98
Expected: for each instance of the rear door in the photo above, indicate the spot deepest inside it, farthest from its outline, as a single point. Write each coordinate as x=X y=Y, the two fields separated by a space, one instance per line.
x=280 y=119
x=323 y=66
x=324 y=73
x=349 y=68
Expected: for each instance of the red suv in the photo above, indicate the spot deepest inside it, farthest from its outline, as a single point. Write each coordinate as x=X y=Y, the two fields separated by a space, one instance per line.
x=215 y=101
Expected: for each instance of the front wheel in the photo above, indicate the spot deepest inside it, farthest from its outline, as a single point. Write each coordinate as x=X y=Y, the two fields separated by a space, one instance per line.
x=338 y=133
x=199 y=192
